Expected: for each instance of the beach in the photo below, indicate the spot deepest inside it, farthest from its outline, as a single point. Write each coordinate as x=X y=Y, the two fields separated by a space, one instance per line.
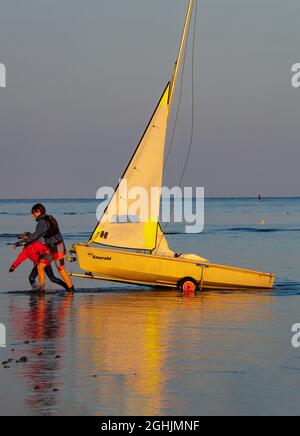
x=114 y=349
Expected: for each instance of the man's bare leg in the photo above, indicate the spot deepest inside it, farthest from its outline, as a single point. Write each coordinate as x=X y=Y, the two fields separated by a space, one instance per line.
x=65 y=276
x=41 y=275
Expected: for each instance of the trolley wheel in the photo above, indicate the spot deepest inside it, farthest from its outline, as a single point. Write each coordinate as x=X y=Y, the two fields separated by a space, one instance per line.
x=188 y=284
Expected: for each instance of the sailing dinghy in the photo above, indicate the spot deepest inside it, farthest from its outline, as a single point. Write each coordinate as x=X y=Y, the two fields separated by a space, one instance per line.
x=138 y=252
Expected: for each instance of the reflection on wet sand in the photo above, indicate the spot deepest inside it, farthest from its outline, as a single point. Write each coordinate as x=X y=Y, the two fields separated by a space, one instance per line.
x=42 y=326
x=134 y=352
x=135 y=342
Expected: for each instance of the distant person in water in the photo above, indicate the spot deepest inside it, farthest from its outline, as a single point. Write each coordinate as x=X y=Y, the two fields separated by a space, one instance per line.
x=39 y=254
x=47 y=228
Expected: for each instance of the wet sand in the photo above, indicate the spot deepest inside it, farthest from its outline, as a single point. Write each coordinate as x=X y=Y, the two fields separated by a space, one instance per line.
x=146 y=352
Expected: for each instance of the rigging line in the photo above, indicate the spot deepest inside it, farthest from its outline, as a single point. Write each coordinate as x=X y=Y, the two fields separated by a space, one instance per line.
x=177 y=110
x=175 y=125
x=178 y=107
x=193 y=98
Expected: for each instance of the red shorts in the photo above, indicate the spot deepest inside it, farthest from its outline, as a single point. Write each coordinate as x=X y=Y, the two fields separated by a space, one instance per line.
x=57 y=253
x=45 y=259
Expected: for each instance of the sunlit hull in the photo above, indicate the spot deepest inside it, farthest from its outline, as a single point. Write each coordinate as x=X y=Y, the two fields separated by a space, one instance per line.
x=127 y=267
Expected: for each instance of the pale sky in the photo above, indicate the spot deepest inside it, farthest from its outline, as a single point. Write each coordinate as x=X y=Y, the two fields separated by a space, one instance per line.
x=83 y=79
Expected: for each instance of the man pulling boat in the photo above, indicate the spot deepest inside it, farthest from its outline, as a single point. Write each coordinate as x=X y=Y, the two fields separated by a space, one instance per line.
x=48 y=229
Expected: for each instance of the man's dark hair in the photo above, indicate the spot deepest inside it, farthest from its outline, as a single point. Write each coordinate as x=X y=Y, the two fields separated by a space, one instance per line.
x=38 y=208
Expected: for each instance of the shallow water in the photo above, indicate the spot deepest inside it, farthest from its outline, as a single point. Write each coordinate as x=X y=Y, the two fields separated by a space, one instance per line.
x=130 y=351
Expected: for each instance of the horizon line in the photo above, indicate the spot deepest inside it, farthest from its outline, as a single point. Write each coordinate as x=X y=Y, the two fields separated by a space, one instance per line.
x=97 y=199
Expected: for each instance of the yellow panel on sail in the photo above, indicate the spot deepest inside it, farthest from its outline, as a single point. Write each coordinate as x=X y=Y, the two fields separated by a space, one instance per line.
x=143 y=181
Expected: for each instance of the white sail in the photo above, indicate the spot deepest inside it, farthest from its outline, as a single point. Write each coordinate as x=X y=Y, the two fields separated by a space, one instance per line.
x=145 y=171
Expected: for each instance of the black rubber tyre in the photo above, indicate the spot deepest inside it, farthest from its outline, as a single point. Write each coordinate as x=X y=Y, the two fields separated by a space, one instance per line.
x=188 y=284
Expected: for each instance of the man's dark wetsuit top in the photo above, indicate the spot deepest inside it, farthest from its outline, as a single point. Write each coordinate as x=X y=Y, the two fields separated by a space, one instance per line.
x=41 y=230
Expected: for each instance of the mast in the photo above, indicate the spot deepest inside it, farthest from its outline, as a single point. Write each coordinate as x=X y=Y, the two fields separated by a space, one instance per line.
x=181 y=50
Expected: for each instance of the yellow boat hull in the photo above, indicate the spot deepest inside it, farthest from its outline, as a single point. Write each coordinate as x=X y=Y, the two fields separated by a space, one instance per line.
x=128 y=267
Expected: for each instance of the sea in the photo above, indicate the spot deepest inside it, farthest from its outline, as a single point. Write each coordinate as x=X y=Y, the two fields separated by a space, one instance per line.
x=120 y=350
